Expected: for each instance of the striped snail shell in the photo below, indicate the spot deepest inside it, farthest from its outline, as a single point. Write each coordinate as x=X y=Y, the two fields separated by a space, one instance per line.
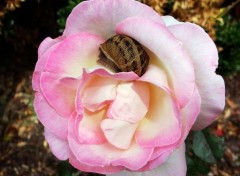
x=121 y=53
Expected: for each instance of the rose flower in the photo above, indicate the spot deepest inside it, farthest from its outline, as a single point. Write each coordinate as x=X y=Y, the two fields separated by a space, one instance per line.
x=104 y=115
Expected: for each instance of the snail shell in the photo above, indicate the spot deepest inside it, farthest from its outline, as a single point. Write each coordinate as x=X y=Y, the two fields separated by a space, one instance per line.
x=121 y=53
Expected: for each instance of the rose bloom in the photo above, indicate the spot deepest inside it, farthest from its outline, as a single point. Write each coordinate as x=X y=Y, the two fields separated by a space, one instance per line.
x=120 y=123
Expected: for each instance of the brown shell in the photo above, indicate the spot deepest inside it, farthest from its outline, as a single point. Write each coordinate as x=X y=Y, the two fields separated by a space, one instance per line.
x=121 y=53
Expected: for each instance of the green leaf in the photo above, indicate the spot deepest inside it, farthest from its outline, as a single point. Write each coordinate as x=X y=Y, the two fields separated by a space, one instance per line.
x=215 y=143
x=201 y=147
x=64 y=12
x=65 y=169
x=196 y=166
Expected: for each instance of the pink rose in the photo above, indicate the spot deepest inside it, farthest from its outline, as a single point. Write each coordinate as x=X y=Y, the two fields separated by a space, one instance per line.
x=108 y=122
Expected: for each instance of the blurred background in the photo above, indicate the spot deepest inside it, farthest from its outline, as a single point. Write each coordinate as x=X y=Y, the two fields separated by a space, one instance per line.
x=25 y=23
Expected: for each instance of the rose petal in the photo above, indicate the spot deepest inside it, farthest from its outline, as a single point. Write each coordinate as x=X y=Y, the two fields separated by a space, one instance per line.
x=118 y=133
x=106 y=154
x=131 y=103
x=198 y=44
x=169 y=52
x=134 y=158
x=212 y=91
x=44 y=50
x=49 y=117
x=175 y=165
x=123 y=76
x=190 y=113
x=89 y=130
x=58 y=146
x=101 y=17
x=162 y=125
x=154 y=72
x=102 y=74
x=73 y=54
x=169 y=20
x=87 y=168
x=204 y=54
x=46 y=44
x=98 y=92
x=55 y=90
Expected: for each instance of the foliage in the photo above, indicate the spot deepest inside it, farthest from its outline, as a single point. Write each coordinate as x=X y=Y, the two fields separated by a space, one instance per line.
x=65 y=169
x=8 y=6
x=203 y=148
x=228 y=39
x=204 y=13
x=64 y=12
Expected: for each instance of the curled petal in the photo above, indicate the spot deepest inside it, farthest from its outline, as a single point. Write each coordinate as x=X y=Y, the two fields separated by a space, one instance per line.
x=88 y=127
x=190 y=113
x=168 y=51
x=169 y=20
x=204 y=55
x=156 y=76
x=58 y=146
x=131 y=103
x=73 y=54
x=198 y=44
x=162 y=125
x=106 y=154
x=97 y=92
x=44 y=50
x=96 y=78
x=175 y=165
x=97 y=169
x=54 y=89
x=212 y=92
x=101 y=17
x=49 y=117
x=46 y=44
x=119 y=133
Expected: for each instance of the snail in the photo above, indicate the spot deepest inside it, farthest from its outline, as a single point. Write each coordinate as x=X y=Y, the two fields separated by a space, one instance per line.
x=121 y=53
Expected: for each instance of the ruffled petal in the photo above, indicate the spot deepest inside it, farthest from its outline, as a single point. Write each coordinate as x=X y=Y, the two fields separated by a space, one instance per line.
x=169 y=54
x=212 y=92
x=134 y=158
x=49 y=117
x=58 y=146
x=119 y=133
x=106 y=154
x=108 y=87
x=190 y=113
x=204 y=54
x=55 y=90
x=162 y=125
x=101 y=17
x=46 y=44
x=154 y=72
x=169 y=20
x=96 y=169
x=97 y=92
x=175 y=165
x=73 y=54
x=44 y=50
x=88 y=127
x=131 y=103
x=198 y=44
